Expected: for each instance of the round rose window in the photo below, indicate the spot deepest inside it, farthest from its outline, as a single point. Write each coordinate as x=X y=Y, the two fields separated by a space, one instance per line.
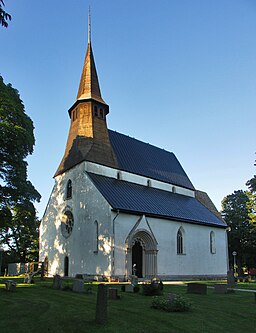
x=67 y=224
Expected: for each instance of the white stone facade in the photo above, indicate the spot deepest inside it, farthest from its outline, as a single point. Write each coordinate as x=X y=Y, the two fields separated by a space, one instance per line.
x=99 y=240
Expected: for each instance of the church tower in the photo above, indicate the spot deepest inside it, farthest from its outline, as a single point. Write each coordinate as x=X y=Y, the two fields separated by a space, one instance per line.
x=88 y=138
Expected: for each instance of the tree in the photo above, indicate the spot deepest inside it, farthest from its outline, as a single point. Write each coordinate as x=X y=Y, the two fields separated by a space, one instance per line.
x=4 y=17
x=252 y=183
x=236 y=211
x=18 y=224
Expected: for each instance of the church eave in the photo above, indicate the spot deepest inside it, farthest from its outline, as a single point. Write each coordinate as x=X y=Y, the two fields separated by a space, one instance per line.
x=164 y=217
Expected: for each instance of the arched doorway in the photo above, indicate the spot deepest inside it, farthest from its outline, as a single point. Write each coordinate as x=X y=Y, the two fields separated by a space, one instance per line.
x=66 y=266
x=137 y=258
x=142 y=252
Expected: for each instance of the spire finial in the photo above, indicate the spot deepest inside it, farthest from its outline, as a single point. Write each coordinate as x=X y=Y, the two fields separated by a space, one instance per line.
x=89 y=25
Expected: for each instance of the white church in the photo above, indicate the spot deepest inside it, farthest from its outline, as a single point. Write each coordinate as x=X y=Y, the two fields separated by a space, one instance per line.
x=121 y=206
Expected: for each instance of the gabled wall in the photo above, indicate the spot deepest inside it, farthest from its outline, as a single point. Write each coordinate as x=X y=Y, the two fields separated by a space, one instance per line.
x=87 y=206
x=197 y=260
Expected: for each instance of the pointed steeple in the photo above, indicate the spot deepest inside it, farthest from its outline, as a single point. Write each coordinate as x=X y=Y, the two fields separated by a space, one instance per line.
x=88 y=138
x=89 y=87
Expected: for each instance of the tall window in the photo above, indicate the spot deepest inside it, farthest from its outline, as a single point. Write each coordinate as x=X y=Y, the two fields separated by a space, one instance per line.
x=69 y=190
x=212 y=242
x=96 y=237
x=180 y=242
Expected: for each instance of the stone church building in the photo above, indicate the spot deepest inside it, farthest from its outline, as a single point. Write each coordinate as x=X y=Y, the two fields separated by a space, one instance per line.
x=120 y=205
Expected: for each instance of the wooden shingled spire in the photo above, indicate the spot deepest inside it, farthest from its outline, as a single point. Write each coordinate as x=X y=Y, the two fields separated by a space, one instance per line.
x=89 y=84
x=88 y=138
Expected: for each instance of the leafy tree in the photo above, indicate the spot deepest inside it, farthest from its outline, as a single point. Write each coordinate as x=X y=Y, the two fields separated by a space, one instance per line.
x=236 y=211
x=18 y=225
x=4 y=17
x=252 y=183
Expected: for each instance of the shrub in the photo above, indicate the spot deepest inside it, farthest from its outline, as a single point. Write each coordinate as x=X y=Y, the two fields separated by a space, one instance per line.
x=177 y=304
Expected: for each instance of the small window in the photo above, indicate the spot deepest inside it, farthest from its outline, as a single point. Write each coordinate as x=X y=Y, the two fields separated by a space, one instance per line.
x=101 y=113
x=96 y=237
x=212 y=242
x=95 y=110
x=69 y=190
x=180 y=242
x=173 y=189
x=119 y=175
x=149 y=183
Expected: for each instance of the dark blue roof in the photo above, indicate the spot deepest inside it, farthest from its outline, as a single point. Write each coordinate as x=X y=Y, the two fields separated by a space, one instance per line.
x=137 y=199
x=144 y=159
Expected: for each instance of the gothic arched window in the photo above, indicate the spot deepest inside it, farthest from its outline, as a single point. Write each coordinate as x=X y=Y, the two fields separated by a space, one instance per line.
x=180 y=242
x=212 y=242
x=69 y=190
x=96 y=237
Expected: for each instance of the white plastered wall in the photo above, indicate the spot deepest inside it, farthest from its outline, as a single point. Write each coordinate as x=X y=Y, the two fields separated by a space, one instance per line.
x=196 y=260
x=87 y=206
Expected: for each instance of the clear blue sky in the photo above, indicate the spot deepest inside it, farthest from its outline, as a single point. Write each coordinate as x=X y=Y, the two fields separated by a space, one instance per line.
x=179 y=74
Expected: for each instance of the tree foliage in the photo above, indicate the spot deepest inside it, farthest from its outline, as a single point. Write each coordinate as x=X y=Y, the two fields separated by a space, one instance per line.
x=252 y=183
x=236 y=211
x=18 y=225
x=4 y=17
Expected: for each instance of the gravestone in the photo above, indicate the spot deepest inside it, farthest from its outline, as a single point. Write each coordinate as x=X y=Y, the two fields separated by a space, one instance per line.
x=134 y=280
x=220 y=288
x=197 y=288
x=129 y=288
x=57 y=282
x=112 y=293
x=231 y=279
x=102 y=304
x=78 y=286
x=10 y=285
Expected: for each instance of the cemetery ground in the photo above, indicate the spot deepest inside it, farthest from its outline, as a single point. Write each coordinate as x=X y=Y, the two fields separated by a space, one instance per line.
x=39 y=308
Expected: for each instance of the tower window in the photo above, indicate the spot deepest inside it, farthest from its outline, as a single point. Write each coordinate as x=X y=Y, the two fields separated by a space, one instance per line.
x=95 y=110
x=69 y=190
x=101 y=113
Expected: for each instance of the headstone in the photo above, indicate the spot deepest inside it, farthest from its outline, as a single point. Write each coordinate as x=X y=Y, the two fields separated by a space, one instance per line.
x=42 y=271
x=78 y=286
x=231 y=279
x=112 y=293
x=129 y=288
x=197 y=288
x=220 y=288
x=57 y=282
x=102 y=304
x=134 y=280
x=10 y=285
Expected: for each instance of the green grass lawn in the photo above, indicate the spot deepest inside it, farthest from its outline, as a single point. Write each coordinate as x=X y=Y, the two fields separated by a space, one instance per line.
x=39 y=308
